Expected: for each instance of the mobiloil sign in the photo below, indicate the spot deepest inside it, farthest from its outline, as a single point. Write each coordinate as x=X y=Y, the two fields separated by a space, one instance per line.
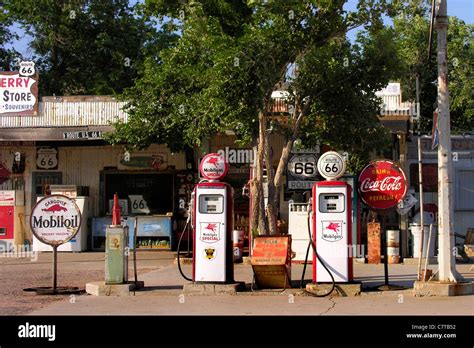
x=55 y=219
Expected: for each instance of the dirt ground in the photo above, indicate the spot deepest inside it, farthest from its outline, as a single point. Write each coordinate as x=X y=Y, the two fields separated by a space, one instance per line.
x=74 y=269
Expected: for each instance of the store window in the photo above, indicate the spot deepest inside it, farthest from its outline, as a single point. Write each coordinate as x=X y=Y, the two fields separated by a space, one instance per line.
x=147 y=193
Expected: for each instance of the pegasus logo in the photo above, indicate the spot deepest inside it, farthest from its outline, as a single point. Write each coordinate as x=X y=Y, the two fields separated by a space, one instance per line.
x=55 y=208
x=333 y=227
x=214 y=161
x=211 y=227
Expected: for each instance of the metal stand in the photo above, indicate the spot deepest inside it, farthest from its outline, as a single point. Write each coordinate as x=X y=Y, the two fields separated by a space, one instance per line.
x=54 y=290
x=383 y=234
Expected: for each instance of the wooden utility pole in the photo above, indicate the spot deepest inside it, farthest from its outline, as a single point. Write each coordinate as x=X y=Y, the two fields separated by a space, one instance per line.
x=446 y=254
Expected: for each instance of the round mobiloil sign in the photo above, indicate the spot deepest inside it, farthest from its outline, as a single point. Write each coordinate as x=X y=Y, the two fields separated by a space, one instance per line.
x=213 y=167
x=382 y=184
x=55 y=219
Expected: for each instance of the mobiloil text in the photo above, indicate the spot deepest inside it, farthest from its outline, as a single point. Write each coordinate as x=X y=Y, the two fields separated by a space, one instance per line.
x=55 y=222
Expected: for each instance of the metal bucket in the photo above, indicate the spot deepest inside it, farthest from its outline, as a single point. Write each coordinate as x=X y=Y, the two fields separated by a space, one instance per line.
x=393 y=246
x=238 y=245
x=415 y=230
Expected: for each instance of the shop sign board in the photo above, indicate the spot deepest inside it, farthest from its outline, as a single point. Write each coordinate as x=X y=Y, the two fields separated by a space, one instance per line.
x=55 y=219
x=19 y=91
x=382 y=184
x=302 y=171
x=140 y=161
x=213 y=167
x=78 y=135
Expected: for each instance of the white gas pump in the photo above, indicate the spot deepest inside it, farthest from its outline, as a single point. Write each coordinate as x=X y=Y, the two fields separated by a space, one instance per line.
x=213 y=224
x=332 y=224
x=332 y=213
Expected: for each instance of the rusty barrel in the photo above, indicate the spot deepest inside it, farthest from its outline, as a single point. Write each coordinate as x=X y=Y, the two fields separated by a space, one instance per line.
x=393 y=246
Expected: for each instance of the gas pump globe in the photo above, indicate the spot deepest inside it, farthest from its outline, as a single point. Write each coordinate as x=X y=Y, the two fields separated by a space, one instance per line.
x=213 y=224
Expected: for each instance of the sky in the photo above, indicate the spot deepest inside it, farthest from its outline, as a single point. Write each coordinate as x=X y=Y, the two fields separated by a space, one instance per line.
x=463 y=9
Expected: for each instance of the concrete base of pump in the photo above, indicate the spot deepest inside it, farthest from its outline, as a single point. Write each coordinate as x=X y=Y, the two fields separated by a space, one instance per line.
x=102 y=289
x=206 y=289
x=340 y=290
x=435 y=288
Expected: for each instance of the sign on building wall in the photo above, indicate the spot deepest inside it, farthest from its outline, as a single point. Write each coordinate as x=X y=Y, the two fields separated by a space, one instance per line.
x=19 y=91
x=46 y=158
x=129 y=161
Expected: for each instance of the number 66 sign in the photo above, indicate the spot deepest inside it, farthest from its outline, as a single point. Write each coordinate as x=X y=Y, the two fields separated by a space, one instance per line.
x=46 y=158
x=331 y=165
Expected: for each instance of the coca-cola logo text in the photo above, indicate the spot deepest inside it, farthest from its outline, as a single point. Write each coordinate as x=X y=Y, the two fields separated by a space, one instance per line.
x=389 y=183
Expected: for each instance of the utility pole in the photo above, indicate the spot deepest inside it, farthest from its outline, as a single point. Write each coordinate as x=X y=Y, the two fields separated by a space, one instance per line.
x=420 y=180
x=446 y=254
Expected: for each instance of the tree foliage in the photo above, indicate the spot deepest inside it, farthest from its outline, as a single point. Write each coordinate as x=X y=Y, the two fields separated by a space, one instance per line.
x=85 y=46
x=232 y=55
x=411 y=26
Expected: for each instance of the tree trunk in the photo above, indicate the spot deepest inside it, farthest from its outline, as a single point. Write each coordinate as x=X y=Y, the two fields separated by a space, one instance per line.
x=272 y=203
x=262 y=230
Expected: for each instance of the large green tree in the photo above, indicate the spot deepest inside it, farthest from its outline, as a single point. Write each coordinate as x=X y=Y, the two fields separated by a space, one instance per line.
x=85 y=46
x=231 y=56
x=411 y=27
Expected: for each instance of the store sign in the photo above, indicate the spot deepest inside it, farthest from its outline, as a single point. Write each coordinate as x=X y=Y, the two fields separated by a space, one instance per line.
x=142 y=161
x=382 y=184
x=301 y=171
x=331 y=165
x=46 y=158
x=55 y=219
x=19 y=91
x=82 y=135
x=213 y=167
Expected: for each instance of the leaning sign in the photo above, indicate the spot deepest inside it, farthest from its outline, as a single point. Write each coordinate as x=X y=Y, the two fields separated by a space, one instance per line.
x=382 y=184
x=55 y=220
x=19 y=91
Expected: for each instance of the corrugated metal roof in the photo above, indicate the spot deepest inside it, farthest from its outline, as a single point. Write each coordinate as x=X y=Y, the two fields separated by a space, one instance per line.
x=70 y=111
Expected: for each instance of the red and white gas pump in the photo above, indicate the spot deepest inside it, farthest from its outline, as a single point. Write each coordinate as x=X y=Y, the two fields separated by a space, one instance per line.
x=332 y=214
x=213 y=220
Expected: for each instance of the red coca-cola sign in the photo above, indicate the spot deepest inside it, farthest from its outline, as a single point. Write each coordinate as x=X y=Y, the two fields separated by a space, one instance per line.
x=382 y=184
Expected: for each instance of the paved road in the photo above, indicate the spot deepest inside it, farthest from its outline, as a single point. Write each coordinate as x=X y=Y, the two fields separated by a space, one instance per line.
x=74 y=269
x=163 y=296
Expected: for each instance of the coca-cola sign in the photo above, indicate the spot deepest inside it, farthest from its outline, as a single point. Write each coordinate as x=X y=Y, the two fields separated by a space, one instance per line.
x=382 y=184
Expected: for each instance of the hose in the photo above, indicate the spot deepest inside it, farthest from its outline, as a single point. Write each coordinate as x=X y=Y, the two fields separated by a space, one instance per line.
x=179 y=249
x=312 y=244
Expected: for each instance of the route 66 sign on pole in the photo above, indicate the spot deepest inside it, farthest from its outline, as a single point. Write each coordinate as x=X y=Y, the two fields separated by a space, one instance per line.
x=27 y=68
x=331 y=165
